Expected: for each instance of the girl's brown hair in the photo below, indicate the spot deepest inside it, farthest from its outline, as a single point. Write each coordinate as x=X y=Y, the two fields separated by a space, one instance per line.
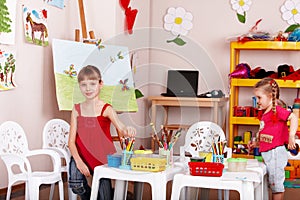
x=269 y=86
x=89 y=72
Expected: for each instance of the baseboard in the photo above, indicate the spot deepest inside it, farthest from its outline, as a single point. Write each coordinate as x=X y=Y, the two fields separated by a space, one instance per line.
x=14 y=189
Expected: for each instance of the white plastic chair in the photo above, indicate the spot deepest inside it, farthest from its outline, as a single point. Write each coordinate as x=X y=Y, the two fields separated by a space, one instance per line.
x=55 y=137
x=14 y=152
x=199 y=138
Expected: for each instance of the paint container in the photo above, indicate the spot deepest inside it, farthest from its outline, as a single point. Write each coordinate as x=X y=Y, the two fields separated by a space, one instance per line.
x=256 y=151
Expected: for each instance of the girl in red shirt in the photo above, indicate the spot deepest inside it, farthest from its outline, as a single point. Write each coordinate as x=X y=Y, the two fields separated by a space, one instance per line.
x=90 y=141
x=274 y=133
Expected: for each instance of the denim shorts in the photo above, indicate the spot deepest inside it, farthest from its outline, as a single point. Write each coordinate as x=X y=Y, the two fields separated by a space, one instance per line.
x=276 y=160
x=79 y=185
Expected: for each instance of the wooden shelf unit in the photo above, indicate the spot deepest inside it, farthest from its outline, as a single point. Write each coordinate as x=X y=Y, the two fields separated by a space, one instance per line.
x=235 y=83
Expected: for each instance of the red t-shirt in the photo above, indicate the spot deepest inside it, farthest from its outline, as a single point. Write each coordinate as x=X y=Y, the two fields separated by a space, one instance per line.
x=93 y=139
x=273 y=133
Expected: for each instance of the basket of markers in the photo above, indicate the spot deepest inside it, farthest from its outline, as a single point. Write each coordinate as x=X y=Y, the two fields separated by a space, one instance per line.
x=214 y=168
x=150 y=164
x=206 y=169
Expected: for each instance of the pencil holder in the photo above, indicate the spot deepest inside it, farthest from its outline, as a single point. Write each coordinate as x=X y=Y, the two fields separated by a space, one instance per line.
x=126 y=156
x=218 y=158
x=114 y=160
x=167 y=154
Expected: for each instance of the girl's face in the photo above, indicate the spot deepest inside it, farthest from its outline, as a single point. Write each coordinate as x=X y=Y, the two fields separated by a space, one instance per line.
x=90 y=88
x=264 y=99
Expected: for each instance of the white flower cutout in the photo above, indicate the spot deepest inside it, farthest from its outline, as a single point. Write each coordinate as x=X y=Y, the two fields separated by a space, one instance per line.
x=178 y=21
x=291 y=11
x=241 y=7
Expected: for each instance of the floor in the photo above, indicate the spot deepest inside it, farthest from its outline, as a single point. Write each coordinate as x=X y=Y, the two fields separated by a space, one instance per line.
x=290 y=194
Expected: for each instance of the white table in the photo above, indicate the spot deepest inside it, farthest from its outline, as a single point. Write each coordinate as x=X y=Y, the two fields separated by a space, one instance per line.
x=251 y=184
x=157 y=180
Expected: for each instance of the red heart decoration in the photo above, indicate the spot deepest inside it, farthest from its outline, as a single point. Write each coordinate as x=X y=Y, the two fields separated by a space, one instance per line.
x=124 y=4
x=130 y=18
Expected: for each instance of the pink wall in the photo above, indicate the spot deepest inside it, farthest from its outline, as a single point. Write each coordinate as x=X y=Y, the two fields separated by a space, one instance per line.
x=33 y=102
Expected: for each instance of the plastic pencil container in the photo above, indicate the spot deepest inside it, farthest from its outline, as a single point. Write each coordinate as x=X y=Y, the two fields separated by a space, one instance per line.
x=114 y=160
x=237 y=164
x=166 y=154
x=218 y=158
x=126 y=156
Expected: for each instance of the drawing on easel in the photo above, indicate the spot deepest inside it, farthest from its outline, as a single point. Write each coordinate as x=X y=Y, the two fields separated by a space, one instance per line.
x=69 y=57
x=7 y=70
x=35 y=25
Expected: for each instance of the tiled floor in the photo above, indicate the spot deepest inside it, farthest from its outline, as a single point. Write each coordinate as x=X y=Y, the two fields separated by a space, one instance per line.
x=44 y=193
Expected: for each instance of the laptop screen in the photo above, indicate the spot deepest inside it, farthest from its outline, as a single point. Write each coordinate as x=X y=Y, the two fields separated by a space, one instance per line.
x=182 y=83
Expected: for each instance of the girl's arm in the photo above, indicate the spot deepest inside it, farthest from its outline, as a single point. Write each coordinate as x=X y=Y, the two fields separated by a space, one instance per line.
x=82 y=167
x=293 y=129
x=128 y=131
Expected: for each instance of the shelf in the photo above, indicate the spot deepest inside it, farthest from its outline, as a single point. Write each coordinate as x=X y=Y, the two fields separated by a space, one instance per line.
x=245 y=120
x=266 y=45
x=248 y=121
x=236 y=83
x=237 y=155
x=251 y=82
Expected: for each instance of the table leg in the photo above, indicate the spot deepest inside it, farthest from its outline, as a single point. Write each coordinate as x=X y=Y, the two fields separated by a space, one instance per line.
x=153 y=120
x=138 y=190
x=248 y=191
x=215 y=117
x=120 y=190
x=159 y=187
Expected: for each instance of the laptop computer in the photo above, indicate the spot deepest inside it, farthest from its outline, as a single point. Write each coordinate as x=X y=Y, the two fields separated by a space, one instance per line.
x=182 y=83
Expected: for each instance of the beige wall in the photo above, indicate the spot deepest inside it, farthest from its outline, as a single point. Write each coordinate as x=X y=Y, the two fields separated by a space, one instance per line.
x=33 y=102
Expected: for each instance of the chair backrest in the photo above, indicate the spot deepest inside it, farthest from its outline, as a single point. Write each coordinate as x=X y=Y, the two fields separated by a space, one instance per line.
x=56 y=134
x=200 y=137
x=12 y=139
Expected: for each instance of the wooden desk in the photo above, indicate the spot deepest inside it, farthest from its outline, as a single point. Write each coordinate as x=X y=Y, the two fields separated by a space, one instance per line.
x=166 y=102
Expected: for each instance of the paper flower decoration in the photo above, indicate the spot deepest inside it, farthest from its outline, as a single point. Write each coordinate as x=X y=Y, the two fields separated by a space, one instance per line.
x=291 y=11
x=241 y=7
x=178 y=21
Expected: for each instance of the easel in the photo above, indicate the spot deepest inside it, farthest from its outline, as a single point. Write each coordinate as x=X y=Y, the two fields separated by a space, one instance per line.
x=83 y=26
x=138 y=187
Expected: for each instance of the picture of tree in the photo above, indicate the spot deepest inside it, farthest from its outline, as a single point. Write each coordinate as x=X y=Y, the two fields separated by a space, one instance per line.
x=7 y=71
x=11 y=67
x=5 y=21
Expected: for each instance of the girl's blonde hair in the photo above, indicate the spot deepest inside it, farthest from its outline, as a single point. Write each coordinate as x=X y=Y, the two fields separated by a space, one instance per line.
x=89 y=72
x=269 y=86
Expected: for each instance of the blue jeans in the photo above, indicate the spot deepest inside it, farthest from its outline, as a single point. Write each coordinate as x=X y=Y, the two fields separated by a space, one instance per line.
x=79 y=185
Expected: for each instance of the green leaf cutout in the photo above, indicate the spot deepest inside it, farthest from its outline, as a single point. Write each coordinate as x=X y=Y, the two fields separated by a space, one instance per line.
x=177 y=41
x=138 y=93
x=241 y=18
x=292 y=27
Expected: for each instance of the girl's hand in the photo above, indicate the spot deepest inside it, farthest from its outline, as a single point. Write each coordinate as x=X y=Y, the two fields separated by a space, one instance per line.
x=292 y=143
x=252 y=144
x=82 y=167
x=130 y=131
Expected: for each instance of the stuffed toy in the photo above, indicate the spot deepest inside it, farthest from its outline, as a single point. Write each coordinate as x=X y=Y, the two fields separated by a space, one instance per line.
x=242 y=70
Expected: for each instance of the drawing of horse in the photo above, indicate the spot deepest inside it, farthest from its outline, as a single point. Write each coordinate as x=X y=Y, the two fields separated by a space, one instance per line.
x=37 y=27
